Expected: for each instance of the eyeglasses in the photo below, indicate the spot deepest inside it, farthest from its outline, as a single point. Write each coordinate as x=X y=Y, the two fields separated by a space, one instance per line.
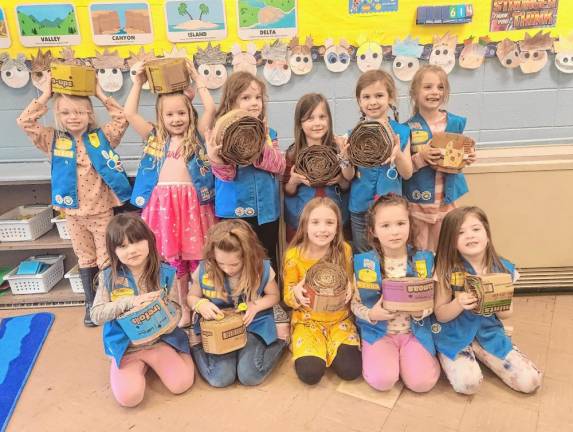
x=74 y=113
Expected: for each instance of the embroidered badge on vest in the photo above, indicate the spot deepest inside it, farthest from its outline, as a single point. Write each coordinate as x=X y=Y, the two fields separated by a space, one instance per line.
x=94 y=139
x=63 y=148
x=119 y=293
x=421 y=268
x=420 y=137
x=458 y=279
x=112 y=160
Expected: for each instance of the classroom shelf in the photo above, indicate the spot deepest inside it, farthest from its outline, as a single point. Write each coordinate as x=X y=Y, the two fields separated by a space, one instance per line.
x=50 y=240
x=59 y=296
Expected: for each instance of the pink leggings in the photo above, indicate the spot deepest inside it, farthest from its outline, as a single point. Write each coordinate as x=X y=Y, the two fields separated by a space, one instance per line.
x=399 y=355
x=174 y=369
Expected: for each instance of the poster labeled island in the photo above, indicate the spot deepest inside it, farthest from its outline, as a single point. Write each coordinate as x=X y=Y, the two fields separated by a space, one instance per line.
x=4 y=34
x=195 y=20
x=121 y=23
x=53 y=24
x=267 y=19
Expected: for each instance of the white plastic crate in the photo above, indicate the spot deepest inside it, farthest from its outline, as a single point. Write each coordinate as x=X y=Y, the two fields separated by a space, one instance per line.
x=14 y=228
x=39 y=283
x=75 y=280
x=62 y=228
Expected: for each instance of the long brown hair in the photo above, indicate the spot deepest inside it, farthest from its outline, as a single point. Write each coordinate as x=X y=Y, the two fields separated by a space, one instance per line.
x=131 y=228
x=189 y=144
x=416 y=84
x=386 y=201
x=235 y=235
x=335 y=253
x=448 y=258
x=373 y=76
x=236 y=84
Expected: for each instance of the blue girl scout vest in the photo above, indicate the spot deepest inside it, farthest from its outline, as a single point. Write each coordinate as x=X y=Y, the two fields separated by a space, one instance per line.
x=104 y=160
x=294 y=204
x=420 y=187
x=150 y=166
x=369 y=282
x=253 y=192
x=263 y=325
x=453 y=336
x=115 y=340
x=370 y=183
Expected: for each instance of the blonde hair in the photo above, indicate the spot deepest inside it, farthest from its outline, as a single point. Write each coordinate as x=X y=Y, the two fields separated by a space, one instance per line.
x=372 y=77
x=335 y=253
x=79 y=103
x=235 y=235
x=417 y=84
x=236 y=84
x=449 y=259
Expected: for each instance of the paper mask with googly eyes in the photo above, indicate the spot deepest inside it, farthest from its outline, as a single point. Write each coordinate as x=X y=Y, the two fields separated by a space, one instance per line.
x=444 y=52
x=276 y=70
x=139 y=59
x=300 y=56
x=534 y=52
x=40 y=70
x=406 y=63
x=109 y=70
x=245 y=61
x=369 y=56
x=211 y=65
x=507 y=53
x=564 y=53
x=336 y=57
x=473 y=54
x=15 y=72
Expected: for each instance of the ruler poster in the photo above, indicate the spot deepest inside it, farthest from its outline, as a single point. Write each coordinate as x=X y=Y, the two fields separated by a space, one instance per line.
x=522 y=14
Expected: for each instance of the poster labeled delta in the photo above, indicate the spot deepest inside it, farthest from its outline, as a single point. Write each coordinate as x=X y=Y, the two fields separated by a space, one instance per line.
x=260 y=19
x=509 y=15
x=4 y=34
x=53 y=24
x=195 y=20
x=371 y=6
x=121 y=23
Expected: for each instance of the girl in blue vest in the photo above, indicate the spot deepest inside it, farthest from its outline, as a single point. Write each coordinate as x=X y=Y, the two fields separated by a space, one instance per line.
x=88 y=179
x=432 y=194
x=394 y=344
x=136 y=276
x=376 y=94
x=174 y=184
x=312 y=126
x=249 y=192
x=235 y=274
x=461 y=336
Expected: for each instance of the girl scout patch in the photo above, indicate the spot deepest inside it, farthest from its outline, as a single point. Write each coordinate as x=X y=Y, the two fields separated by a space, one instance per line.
x=420 y=137
x=119 y=293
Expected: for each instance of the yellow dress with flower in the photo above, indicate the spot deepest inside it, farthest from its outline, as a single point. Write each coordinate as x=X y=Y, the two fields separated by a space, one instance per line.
x=316 y=334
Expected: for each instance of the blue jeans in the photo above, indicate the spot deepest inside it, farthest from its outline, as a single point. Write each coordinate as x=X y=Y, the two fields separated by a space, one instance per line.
x=359 y=226
x=251 y=364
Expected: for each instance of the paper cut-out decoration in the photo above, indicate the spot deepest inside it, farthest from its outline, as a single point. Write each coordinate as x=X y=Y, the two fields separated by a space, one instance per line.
x=122 y=23
x=68 y=56
x=176 y=53
x=534 y=51
x=444 y=52
x=564 y=53
x=109 y=66
x=473 y=54
x=245 y=61
x=407 y=53
x=508 y=54
x=336 y=57
x=211 y=64
x=40 y=70
x=53 y=24
x=300 y=56
x=276 y=70
x=266 y=19
x=5 y=41
x=368 y=55
x=14 y=72
x=195 y=20
x=137 y=59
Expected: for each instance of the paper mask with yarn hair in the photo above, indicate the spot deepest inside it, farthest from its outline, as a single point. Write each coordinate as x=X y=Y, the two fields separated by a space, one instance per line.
x=245 y=61
x=508 y=54
x=300 y=56
x=211 y=65
x=276 y=70
x=564 y=53
x=336 y=57
x=534 y=51
x=14 y=72
x=109 y=66
x=368 y=55
x=407 y=53
x=69 y=57
x=137 y=59
x=444 y=52
x=40 y=70
x=473 y=54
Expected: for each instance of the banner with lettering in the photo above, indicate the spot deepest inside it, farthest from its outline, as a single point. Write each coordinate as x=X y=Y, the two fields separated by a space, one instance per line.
x=507 y=15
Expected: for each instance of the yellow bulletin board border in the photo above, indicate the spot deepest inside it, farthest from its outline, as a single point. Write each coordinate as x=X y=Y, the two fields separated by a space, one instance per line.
x=320 y=19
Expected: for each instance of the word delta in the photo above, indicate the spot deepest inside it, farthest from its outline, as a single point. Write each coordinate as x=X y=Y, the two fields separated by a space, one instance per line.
x=267 y=32
x=146 y=316
x=122 y=37
x=419 y=288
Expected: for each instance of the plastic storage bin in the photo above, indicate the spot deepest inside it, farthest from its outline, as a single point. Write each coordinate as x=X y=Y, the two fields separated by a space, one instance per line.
x=25 y=223
x=62 y=228
x=39 y=283
x=75 y=281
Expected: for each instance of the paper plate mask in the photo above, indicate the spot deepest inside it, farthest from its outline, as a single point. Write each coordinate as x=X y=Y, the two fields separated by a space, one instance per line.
x=369 y=56
x=245 y=61
x=473 y=54
x=336 y=57
x=41 y=68
x=300 y=56
x=211 y=64
x=508 y=54
x=444 y=52
x=406 y=63
x=276 y=70
x=137 y=59
x=109 y=67
x=534 y=52
x=564 y=53
x=14 y=72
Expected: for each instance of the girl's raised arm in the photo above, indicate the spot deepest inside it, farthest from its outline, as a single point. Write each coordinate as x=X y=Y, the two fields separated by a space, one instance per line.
x=205 y=122
x=141 y=126
x=114 y=129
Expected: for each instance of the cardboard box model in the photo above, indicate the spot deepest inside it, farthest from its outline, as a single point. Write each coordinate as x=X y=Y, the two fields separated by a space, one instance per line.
x=73 y=80
x=494 y=292
x=225 y=335
x=409 y=294
x=167 y=75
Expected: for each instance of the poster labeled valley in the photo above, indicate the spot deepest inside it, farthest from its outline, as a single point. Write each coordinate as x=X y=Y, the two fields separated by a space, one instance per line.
x=195 y=20
x=4 y=34
x=121 y=23
x=53 y=24
x=259 y=19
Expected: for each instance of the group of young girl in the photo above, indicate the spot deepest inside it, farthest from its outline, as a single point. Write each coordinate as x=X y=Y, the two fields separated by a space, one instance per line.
x=209 y=231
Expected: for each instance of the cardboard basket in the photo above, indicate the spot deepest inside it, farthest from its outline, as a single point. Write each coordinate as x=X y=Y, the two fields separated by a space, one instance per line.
x=167 y=75
x=494 y=292
x=409 y=294
x=73 y=80
x=325 y=285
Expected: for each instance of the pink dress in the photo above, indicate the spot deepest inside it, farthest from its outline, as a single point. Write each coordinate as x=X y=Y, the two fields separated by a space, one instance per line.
x=174 y=214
